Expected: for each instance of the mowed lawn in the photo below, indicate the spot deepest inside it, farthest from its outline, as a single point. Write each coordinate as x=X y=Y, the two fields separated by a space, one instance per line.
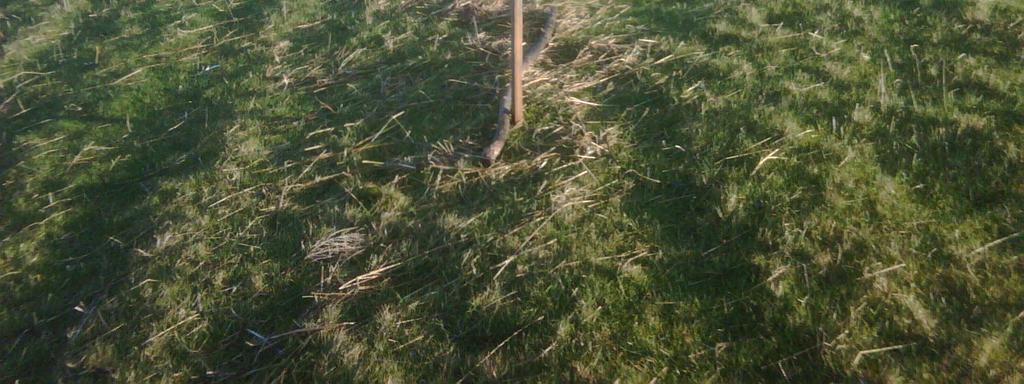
x=705 y=190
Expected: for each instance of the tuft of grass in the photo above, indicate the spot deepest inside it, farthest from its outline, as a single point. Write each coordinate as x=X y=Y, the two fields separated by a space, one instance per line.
x=704 y=191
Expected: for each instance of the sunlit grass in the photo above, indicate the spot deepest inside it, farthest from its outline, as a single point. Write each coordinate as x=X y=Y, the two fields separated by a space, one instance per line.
x=706 y=190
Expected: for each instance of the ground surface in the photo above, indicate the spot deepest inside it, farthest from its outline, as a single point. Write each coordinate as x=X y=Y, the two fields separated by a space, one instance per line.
x=705 y=190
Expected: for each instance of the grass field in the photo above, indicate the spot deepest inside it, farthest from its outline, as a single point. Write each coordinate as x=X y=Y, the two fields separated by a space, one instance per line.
x=705 y=190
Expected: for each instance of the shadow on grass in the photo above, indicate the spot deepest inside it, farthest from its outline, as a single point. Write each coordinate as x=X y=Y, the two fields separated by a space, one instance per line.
x=710 y=278
x=14 y=16
x=709 y=288
x=79 y=274
x=954 y=136
x=713 y=264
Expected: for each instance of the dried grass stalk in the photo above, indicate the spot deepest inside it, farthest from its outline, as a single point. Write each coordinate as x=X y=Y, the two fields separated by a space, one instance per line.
x=341 y=245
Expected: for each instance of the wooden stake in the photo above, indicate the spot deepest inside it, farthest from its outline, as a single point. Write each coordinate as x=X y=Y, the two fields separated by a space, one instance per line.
x=517 y=62
x=490 y=154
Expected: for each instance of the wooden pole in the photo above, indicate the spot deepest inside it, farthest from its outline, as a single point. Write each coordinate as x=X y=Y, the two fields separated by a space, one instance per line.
x=517 y=62
x=504 y=126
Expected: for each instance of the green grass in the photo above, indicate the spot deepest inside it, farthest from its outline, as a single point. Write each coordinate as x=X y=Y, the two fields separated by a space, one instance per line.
x=721 y=191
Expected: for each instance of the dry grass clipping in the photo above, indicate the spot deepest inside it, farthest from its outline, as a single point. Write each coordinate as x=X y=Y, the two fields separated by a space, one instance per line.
x=340 y=245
